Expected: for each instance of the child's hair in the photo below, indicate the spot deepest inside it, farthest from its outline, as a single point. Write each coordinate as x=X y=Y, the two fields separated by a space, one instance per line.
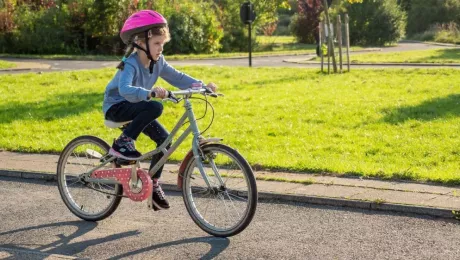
x=155 y=31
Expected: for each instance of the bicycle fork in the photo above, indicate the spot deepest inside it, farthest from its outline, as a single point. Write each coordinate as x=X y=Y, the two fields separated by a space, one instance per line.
x=198 y=154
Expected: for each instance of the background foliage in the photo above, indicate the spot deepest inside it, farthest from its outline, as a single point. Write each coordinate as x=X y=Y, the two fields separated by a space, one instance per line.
x=210 y=26
x=92 y=26
x=376 y=22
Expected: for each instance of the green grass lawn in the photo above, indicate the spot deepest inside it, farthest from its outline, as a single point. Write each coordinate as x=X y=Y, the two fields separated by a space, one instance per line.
x=275 y=39
x=6 y=65
x=392 y=123
x=425 y=56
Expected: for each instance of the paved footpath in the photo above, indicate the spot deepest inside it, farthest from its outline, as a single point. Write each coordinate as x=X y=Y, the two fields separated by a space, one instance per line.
x=398 y=196
x=47 y=65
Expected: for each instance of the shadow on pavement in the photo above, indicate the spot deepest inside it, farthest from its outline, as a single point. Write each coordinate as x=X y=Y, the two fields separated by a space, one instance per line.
x=218 y=245
x=63 y=244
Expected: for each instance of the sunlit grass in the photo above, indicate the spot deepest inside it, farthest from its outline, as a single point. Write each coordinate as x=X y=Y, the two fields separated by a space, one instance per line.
x=275 y=39
x=390 y=123
x=6 y=64
x=425 y=56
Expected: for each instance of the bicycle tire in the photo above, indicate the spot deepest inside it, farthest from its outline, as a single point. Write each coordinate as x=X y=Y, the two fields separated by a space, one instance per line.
x=240 y=167
x=66 y=165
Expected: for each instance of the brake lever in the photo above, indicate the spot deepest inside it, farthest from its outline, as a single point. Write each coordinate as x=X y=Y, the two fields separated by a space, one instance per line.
x=172 y=98
x=209 y=92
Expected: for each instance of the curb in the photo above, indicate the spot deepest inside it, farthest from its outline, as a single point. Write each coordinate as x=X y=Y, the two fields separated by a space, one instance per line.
x=431 y=43
x=328 y=201
x=20 y=69
x=390 y=64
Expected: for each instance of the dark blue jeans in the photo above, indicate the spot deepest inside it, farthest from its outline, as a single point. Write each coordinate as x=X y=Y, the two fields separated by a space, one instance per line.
x=143 y=115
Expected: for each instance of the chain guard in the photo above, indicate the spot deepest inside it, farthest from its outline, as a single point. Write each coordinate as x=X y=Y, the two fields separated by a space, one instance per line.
x=123 y=175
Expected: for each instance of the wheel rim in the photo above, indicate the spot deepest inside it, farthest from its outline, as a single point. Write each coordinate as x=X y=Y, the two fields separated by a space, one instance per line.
x=86 y=199
x=220 y=209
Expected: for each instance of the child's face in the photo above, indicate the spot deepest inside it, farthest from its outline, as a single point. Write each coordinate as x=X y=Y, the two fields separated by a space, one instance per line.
x=156 y=46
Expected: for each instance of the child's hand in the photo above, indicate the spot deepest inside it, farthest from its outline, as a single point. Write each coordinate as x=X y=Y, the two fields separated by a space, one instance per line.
x=212 y=87
x=159 y=92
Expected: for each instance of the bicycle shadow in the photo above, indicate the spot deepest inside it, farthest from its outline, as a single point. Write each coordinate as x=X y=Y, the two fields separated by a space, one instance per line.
x=218 y=245
x=63 y=245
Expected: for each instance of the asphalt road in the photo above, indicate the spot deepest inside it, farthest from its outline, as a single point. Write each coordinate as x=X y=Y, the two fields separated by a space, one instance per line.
x=272 y=61
x=34 y=222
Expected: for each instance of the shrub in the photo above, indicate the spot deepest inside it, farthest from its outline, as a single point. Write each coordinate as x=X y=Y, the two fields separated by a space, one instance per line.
x=447 y=33
x=42 y=32
x=425 y=13
x=303 y=29
x=376 y=22
x=282 y=28
x=192 y=30
x=235 y=32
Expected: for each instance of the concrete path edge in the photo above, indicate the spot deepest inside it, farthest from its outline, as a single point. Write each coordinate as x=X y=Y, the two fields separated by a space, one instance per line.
x=359 y=204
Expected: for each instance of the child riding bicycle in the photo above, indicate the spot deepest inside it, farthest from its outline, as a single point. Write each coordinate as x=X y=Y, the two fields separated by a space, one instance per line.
x=128 y=95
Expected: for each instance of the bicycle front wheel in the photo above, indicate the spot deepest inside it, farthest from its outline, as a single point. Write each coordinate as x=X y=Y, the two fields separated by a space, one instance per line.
x=88 y=201
x=228 y=204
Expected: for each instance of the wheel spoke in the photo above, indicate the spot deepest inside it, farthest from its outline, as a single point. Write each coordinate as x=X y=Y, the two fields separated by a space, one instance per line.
x=78 y=159
x=238 y=197
x=77 y=180
x=222 y=211
x=226 y=208
x=233 y=205
x=90 y=201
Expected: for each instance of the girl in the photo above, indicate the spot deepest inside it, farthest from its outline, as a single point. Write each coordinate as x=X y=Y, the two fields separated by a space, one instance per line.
x=127 y=96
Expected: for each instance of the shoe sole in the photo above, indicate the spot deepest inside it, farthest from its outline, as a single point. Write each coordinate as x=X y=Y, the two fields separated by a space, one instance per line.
x=157 y=207
x=121 y=156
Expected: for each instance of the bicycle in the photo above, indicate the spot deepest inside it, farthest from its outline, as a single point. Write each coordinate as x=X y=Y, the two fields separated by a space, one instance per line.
x=212 y=176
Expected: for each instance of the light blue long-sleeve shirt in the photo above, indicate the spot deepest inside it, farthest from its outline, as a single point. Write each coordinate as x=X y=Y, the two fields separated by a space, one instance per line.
x=135 y=82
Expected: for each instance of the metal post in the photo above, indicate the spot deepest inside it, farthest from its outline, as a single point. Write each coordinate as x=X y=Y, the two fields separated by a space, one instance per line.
x=321 y=32
x=328 y=48
x=250 y=47
x=339 y=39
x=347 y=36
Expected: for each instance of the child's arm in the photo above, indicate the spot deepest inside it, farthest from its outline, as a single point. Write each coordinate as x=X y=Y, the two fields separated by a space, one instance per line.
x=131 y=93
x=175 y=77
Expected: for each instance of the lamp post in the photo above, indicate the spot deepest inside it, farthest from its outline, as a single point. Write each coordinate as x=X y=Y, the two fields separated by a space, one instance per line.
x=248 y=16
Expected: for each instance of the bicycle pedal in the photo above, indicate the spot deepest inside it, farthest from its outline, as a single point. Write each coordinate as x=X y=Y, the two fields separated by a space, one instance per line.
x=121 y=161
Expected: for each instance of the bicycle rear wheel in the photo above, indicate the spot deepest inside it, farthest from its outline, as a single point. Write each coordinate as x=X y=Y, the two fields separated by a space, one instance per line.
x=88 y=201
x=220 y=210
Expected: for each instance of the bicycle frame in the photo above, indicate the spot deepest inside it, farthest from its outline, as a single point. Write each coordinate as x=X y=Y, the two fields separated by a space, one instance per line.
x=192 y=128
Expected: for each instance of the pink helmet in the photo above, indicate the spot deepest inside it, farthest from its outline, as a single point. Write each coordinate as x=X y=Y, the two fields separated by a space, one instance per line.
x=140 y=22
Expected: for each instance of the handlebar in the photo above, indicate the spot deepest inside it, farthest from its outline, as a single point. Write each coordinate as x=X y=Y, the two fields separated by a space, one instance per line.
x=172 y=95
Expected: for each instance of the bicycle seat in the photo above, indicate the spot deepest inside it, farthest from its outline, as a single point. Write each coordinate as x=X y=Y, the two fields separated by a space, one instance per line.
x=111 y=124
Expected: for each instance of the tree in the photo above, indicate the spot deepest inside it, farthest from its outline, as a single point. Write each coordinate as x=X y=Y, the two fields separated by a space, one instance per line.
x=305 y=26
x=376 y=22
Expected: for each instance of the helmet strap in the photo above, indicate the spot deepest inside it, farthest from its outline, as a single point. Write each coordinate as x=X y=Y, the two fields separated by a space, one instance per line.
x=147 y=51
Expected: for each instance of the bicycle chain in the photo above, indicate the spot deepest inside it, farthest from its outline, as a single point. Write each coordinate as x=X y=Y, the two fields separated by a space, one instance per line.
x=86 y=184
